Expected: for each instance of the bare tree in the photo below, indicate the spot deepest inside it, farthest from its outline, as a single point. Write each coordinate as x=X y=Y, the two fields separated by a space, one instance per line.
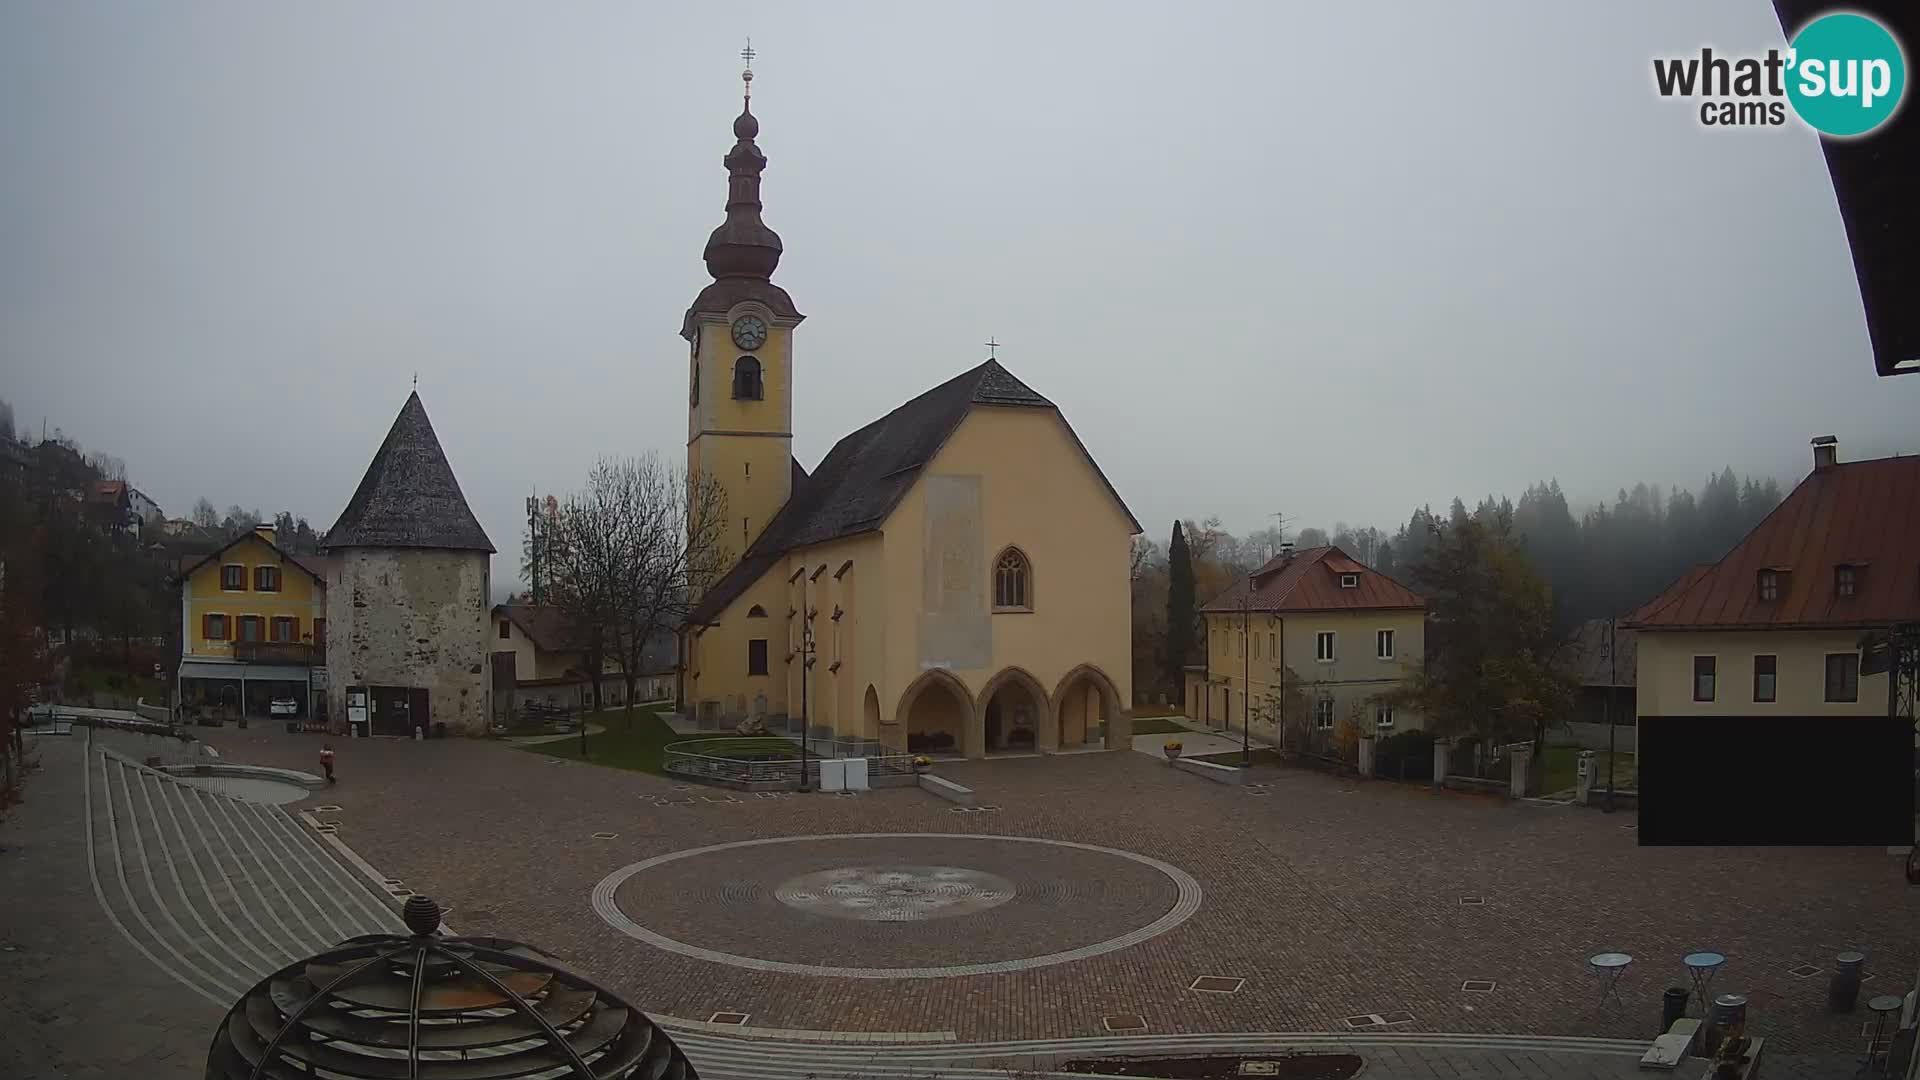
x=6 y=421
x=108 y=466
x=631 y=553
x=204 y=515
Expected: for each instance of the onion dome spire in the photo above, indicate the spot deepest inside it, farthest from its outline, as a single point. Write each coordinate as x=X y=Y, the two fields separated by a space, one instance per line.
x=743 y=246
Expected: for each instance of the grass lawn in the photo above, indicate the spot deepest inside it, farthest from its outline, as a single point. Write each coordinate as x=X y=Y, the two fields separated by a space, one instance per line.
x=1156 y=725
x=641 y=746
x=1562 y=763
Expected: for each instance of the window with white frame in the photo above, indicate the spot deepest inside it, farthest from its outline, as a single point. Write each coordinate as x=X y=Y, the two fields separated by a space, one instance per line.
x=1382 y=716
x=1349 y=581
x=1323 y=644
x=1323 y=713
x=1383 y=644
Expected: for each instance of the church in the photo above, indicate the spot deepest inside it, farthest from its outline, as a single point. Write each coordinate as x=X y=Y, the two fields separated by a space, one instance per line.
x=951 y=579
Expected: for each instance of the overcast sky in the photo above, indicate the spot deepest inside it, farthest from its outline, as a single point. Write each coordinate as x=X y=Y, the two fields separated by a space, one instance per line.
x=1266 y=257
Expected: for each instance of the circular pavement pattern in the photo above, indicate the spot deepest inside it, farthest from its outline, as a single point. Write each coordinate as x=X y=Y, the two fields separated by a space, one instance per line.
x=895 y=893
x=896 y=905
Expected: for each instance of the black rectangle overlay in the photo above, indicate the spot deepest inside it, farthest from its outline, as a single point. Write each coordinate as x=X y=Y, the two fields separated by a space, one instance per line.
x=1776 y=780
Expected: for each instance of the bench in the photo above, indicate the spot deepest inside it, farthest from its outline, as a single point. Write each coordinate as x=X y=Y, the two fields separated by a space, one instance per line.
x=946 y=789
x=1219 y=774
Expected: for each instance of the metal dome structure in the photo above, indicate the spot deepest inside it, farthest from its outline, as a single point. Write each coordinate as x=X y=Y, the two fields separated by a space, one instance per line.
x=426 y=1007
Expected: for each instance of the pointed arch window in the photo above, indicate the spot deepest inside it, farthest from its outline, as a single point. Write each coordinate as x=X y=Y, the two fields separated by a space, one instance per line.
x=746 y=379
x=1012 y=581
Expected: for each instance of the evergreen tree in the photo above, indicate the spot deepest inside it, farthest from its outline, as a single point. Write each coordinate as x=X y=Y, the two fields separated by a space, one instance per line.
x=1181 y=617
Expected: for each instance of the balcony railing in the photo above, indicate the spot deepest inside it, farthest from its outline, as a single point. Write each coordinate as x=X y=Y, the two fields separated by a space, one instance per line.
x=294 y=653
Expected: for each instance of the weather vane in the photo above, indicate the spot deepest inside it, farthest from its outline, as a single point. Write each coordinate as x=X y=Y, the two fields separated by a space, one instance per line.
x=991 y=346
x=746 y=76
x=416 y=380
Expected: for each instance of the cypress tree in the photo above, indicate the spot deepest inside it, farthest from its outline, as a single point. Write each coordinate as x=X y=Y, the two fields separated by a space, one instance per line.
x=1180 y=614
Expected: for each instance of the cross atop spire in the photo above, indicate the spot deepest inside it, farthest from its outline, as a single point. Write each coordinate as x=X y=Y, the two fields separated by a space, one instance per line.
x=991 y=346
x=746 y=76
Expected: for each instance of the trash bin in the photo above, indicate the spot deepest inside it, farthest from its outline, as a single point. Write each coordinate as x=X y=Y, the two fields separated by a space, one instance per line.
x=1673 y=1006
x=1843 y=990
x=1729 y=1013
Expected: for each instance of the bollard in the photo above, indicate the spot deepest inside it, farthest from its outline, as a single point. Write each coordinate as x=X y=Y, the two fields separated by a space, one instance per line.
x=1673 y=1006
x=1843 y=991
x=419 y=733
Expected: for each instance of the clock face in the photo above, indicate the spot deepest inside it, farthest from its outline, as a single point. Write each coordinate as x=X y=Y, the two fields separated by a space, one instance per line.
x=749 y=332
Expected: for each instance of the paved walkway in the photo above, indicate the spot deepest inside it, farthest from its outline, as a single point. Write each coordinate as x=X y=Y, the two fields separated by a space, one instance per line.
x=1195 y=741
x=198 y=895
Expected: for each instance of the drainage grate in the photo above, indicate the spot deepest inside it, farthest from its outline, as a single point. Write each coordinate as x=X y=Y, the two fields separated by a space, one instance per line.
x=766 y=794
x=604 y=835
x=734 y=1018
x=326 y=827
x=1478 y=986
x=1217 y=984
x=963 y=810
x=990 y=808
x=1804 y=971
x=1364 y=1020
x=1124 y=1022
x=391 y=883
x=327 y=809
x=399 y=894
x=844 y=794
x=1256 y=791
x=1259 y=1068
x=1473 y=901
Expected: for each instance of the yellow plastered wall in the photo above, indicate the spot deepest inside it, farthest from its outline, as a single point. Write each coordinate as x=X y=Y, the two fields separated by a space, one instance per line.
x=718 y=656
x=1038 y=492
x=1664 y=673
x=300 y=598
x=747 y=445
x=1354 y=676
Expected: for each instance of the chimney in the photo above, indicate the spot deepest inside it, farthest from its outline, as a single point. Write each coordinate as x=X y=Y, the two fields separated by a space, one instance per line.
x=264 y=531
x=1286 y=549
x=1826 y=452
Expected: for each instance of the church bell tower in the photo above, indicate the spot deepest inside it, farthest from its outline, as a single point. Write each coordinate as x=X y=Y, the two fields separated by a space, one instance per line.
x=740 y=366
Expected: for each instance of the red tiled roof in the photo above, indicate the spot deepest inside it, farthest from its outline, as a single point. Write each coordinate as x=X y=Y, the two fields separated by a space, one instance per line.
x=1309 y=580
x=1863 y=513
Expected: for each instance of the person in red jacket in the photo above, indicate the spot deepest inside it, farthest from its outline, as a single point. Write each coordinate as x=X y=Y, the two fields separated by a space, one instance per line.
x=326 y=760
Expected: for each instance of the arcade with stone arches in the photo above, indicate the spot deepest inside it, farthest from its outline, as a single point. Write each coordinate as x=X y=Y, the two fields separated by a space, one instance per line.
x=1011 y=711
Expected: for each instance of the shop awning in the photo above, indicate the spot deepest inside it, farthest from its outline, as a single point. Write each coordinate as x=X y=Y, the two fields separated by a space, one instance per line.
x=203 y=669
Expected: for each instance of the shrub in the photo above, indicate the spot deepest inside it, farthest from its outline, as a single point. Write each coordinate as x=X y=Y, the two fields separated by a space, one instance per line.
x=1407 y=743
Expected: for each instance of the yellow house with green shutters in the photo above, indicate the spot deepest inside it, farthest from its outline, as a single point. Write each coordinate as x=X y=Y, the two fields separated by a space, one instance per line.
x=252 y=629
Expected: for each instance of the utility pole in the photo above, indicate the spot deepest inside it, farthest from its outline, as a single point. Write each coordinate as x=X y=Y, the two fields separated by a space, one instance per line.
x=1246 y=677
x=1613 y=654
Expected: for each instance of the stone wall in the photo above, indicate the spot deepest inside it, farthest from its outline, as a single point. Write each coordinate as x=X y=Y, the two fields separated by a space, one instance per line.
x=411 y=617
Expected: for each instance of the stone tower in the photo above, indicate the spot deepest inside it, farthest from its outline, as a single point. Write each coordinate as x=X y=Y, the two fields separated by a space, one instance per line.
x=408 y=593
x=740 y=367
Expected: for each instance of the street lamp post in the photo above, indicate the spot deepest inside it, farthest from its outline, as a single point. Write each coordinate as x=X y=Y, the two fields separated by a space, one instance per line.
x=806 y=661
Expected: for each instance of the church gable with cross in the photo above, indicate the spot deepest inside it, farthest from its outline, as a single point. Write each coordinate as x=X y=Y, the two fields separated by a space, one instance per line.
x=952 y=578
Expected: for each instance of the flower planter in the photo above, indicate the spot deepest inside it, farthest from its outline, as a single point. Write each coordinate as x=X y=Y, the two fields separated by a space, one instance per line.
x=1172 y=752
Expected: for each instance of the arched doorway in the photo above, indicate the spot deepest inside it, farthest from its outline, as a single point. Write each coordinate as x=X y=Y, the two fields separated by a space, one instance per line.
x=1014 y=714
x=934 y=713
x=870 y=717
x=1085 y=706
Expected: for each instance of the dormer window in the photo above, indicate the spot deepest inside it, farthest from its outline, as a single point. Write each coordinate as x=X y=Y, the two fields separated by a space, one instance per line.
x=1349 y=581
x=1846 y=580
x=1769 y=585
x=746 y=379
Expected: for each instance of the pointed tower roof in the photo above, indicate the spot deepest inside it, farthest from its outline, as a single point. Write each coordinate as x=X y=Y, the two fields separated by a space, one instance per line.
x=409 y=498
x=742 y=252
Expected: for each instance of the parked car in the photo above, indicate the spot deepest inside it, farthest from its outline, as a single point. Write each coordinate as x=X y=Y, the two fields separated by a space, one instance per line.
x=284 y=707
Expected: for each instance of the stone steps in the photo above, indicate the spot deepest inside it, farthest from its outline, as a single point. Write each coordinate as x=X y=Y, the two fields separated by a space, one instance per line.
x=221 y=892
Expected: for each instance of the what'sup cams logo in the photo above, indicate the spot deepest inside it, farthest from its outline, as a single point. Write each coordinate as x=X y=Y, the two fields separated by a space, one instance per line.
x=1843 y=75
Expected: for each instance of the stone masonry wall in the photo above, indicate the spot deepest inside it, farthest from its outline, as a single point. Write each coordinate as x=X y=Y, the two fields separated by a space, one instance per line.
x=411 y=617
